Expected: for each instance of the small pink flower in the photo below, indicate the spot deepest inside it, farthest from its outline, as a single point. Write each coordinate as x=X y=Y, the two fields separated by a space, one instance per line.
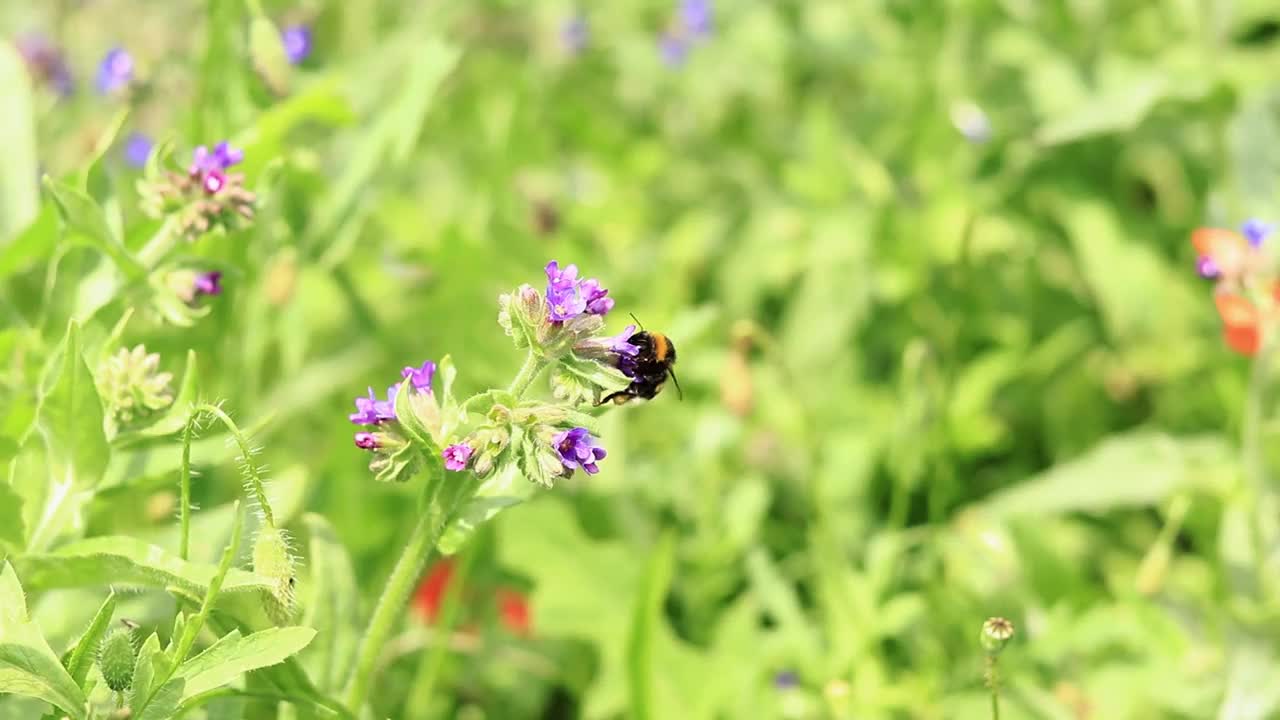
x=456 y=457
x=214 y=181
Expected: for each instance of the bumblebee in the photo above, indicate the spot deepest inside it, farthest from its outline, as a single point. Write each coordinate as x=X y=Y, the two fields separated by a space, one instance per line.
x=648 y=370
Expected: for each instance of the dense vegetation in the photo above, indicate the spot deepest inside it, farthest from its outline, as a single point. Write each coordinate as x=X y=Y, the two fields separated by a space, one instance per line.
x=943 y=354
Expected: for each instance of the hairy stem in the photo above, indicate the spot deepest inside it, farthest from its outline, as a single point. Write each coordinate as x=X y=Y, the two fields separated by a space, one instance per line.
x=389 y=608
x=184 y=490
x=251 y=474
x=528 y=371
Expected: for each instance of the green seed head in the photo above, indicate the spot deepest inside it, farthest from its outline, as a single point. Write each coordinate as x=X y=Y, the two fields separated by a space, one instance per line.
x=996 y=633
x=116 y=659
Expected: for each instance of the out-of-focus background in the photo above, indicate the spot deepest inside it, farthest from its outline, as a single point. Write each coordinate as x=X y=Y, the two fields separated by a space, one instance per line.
x=943 y=348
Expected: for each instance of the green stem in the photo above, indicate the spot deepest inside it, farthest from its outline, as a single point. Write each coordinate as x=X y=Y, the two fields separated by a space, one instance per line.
x=532 y=366
x=252 y=476
x=993 y=682
x=390 y=606
x=184 y=490
x=435 y=654
x=160 y=244
x=1251 y=451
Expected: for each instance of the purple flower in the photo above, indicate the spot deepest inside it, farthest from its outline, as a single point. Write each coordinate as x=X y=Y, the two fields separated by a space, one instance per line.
x=568 y=297
x=1206 y=267
x=621 y=344
x=366 y=441
x=386 y=409
x=420 y=377
x=457 y=456
x=222 y=158
x=696 y=16
x=371 y=411
x=297 y=43
x=578 y=450
x=575 y=33
x=208 y=283
x=137 y=148
x=1256 y=231
x=785 y=680
x=46 y=62
x=115 y=72
x=673 y=48
x=214 y=181
x=595 y=297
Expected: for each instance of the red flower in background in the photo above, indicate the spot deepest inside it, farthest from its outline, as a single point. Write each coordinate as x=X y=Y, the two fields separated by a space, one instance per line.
x=1239 y=323
x=513 y=606
x=429 y=597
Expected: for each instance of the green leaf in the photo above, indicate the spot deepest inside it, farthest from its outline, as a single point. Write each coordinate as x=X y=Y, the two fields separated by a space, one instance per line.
x=87 y=223
x=28 y=666
x=647 y=614
x=13 y=531
x=233 y=655
x=576 y=380
x=331 y=605
x=1117 y=109
x=82 y=655
x=267 y=51
x=19 y=194
x=31 y=244
x=69 y=418
x=1133 y=470
x=144 y=672
x=125 y=562
x=164 y=703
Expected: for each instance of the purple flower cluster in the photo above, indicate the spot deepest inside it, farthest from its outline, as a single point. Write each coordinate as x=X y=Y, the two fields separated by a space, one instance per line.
x=569 y=297
x=115 y=72
x=578 y=449
x=297 y=43
x=210 y=167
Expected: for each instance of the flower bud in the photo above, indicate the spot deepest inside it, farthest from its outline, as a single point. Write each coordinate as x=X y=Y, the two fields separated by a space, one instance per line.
x=132 y=388
x=996 y=633
x=116 y=660
x=273 y=560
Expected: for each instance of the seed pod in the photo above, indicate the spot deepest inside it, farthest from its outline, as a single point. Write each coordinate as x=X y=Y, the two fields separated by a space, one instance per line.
x=116 y=658
x=996 y=632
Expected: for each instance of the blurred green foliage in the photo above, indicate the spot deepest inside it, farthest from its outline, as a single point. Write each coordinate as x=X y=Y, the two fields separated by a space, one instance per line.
x=943 y=349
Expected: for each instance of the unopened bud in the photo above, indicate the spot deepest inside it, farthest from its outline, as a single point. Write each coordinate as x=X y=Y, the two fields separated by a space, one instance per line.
x=116 y=660
x=273 y=560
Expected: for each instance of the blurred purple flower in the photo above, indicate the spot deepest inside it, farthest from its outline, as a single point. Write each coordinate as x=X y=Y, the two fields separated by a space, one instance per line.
x=1206 y=267
x=297 y=43
x=46 y=62
x=971 y=121
x=1256 y=231
x=673 y=48
x=115 y=72
x=785 y=680
x=457 y=456
x=366 y=441
x=222 y=158
x=568 y=297
x=137 y=148
x=578 y=449
x=575 y=34
x=208 y=283
x=696 y=17
x=420 y=377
